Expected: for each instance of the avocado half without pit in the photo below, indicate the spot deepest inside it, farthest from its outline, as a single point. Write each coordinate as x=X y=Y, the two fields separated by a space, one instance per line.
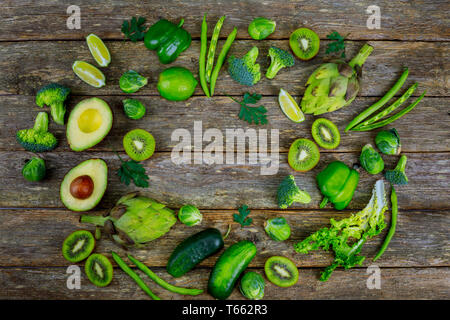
x=84 y=185
x=89 y=122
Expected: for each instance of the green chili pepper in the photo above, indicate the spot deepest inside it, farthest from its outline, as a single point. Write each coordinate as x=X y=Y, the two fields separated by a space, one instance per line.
x=391 y=231
x=201 y=60
x=133 y=275
x=223 y=54
x=212 y=48
x=337 y=183
x=161 y=282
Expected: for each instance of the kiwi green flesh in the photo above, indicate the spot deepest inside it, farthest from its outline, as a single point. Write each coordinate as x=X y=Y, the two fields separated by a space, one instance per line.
x=138 y=146
x=78 y=246
x=325 y=134
x=281 y=271
x=99 y=270
x=303 y=155
x=307 y=43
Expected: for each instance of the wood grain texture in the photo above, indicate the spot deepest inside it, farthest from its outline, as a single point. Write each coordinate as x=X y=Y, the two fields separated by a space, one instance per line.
x=402 y=20
x=25 y=73
x=34 y=238
x=419 y=130
x=222 y=186
x=396 y=283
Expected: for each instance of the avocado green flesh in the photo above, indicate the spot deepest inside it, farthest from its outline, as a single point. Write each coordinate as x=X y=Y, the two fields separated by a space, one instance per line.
x=98 y=171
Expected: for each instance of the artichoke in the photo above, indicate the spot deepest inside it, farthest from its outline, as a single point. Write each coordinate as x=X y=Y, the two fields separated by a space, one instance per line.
x=334 y=85
x=134 y=220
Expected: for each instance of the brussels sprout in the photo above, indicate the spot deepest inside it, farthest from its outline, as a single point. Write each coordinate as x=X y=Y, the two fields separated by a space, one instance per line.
x=190 y=215
x=131 y=81
x=371 y=160
x=252 y=286
x=134 y=109
x=261 y=28
x=34 y=169
x=388 y=141
x=278 y=229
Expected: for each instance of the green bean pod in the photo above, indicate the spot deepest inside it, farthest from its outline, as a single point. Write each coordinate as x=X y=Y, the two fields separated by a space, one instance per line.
x=133 y=275
x=161 y=282
x=377 y=105
x=223 y=54
x=202 y=58
x=212 y=48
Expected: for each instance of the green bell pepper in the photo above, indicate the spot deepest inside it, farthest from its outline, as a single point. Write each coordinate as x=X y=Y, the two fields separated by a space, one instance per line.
x=337 y=183
x=168 y=39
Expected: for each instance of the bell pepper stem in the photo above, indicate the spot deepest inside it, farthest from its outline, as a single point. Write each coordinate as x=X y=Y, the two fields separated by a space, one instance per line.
x=323 y=203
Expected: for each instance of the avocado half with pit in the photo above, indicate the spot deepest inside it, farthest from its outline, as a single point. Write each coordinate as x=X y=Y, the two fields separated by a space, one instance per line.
x=89 y=122
x=84 y=185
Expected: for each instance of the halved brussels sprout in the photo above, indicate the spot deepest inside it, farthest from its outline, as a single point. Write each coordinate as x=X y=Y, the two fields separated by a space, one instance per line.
x=261 y=28
x=388 y=142
x=34 y=169
x=190 y=215
x=131 y=81
x=252 y=286
x=133 y=108
x=371 y=160
x=278 y=229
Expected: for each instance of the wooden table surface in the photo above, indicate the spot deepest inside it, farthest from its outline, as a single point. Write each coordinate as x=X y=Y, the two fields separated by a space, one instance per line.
x=37 y=48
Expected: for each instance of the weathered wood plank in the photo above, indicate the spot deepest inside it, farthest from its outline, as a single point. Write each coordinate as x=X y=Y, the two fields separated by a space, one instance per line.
x=418 y=20
x=34 y=238
x=51 y=61
x=425 y=129
x=396 y=283
x=224 y=186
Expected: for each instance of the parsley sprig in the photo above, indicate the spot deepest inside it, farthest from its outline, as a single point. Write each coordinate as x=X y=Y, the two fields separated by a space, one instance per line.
x=256 y=115
x=338 y=44
x=242 y=218
x=132 y=170
x=134 y=29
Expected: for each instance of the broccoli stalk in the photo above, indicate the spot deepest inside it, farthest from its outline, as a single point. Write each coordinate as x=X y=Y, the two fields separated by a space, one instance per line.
x=54 y=96
x=37 y=139
x=398 y=175
x=245 y=70
x=288 y=193
x=279 y=59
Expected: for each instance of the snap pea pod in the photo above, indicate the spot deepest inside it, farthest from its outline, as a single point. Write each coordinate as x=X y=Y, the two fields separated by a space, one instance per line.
x=161 y=282
x=377 y=105
x=212 y=48
x=392 y=118
x=393 y=224
x=223 y=54
x=133 y=275
x=391 y=108
x=201 y=60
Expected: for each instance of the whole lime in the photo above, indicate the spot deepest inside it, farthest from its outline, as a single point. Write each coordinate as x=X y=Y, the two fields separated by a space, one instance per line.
x=176 y=84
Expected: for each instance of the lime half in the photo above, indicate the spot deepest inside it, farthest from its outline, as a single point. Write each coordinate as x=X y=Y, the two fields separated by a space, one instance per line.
x=289 y=107
x=98 y=50
x=89 y=74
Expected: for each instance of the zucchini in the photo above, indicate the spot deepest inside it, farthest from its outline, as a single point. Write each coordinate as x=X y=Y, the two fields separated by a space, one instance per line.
x=229 y=267
x=193 y=250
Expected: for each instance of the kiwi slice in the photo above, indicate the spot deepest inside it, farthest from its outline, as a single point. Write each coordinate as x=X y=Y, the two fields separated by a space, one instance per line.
x=303 y=155
x=78 y=246
x=99 y=270
x=325 y=133
x=281 y=271
x=139 y=144
x=304 y=43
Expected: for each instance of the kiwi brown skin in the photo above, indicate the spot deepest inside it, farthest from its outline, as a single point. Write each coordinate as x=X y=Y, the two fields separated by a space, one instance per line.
x=84 y=251
x=325 y=124
x=314 y=154
x=94 y=262
x=143 y=136
x=274 y=265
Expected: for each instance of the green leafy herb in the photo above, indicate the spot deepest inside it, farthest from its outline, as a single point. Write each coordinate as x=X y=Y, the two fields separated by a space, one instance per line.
x=338 y=44
x=132 y=170
x=242 y=218
x=250 y=114
x=134 y=29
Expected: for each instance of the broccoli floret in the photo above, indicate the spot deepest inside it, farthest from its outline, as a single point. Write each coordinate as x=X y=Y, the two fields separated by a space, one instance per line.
x=288 y=193
x=279 y=59
x=53 y=95
x=244 y=70
x=37 y=139
x=398 y=175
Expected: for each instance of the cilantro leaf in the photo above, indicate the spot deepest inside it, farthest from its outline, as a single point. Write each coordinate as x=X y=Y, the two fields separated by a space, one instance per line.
x=256 y=115
x=338 y=44
x=134 y=30
x=132 y=170
x=242 y=218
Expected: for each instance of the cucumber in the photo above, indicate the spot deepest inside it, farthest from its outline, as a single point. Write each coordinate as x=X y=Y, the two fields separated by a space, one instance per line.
x=193 y=250
x=229 y=267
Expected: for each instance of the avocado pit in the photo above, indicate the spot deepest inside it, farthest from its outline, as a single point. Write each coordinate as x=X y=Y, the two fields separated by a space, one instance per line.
x=82 y=187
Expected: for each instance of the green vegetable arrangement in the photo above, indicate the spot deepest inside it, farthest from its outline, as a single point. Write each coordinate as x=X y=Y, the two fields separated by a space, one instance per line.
x=388 y=142
x=34 y=169
x=288 y=193
x=133 y=108
x=260 y=28
x=245 y=70
x=190 y=215
x=252 y=286
x=256 y=115
x=279 y=59
x=131 y=81
x=371 y=160
x=398 y=175
x=53 y=95
x=37 y=139
x=278 y=229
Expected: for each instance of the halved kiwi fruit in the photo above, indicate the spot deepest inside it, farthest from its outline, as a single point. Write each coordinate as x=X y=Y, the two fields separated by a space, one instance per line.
x=139 y=144
x=304 y=43
x=99 y=270
x=303 y=155
x=325 y=133
x=281 y=271
x=78 y=246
